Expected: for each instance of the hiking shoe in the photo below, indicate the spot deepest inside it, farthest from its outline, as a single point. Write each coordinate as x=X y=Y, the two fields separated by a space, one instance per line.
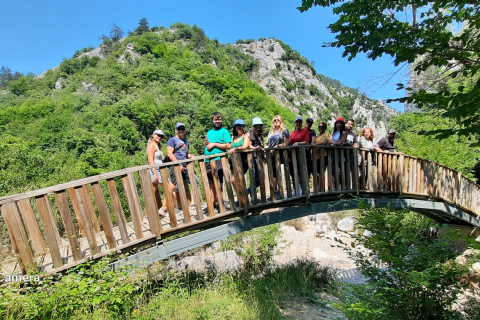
x=145 y=220
x=277 y=194
x=162 y=213
x=237 y=204
x=216 y=207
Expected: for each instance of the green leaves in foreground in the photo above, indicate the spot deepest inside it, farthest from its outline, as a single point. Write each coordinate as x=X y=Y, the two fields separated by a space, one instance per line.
x=419 y=280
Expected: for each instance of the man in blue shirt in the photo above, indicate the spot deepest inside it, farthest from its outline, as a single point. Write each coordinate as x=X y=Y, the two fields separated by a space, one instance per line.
x=178 y=148
x=217 y=141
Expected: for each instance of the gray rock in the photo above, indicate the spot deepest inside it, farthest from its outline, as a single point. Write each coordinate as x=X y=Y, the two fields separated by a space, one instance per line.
x=461 y=260
x=347 y=224
x=216 y=245
x=367 y=233
x=214 y=64
x=324 y=216
x=60 y=84
x=476 y=267
x=129 y=55
x=320 y=230
x=227 y=261
x=194 y=263
x=471 y=252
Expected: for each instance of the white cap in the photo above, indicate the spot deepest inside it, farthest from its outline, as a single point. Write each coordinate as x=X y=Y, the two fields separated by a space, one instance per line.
x=159 y=132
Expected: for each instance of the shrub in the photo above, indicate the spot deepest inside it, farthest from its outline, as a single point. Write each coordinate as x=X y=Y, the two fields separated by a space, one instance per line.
x=271 y=47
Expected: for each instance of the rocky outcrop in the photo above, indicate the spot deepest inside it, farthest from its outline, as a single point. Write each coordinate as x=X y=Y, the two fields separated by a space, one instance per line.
x=221 y=262
x=129 y=55
x=346 y=224
x=293 y=84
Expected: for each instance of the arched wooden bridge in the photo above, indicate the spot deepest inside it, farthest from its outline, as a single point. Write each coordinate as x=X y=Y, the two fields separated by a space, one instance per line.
x=58 y=227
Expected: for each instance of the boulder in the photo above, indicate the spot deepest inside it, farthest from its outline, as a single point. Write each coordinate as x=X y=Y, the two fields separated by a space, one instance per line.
x=324 y=216
x=367 y=233
x=194 y=263
x=227 y=261
x=320 y=230
x=471 y=252
x=461 y=260
x=476 y=267
x=60 y=83
x=347 y=224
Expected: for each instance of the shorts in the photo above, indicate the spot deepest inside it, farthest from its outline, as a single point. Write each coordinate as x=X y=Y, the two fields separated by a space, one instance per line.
x=274 y=165
x=185 y=176
x=158 y=173
x=325 y=164
x=218 y=164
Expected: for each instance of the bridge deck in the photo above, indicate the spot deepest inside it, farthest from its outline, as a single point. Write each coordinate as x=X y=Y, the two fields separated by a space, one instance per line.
x=58 y=227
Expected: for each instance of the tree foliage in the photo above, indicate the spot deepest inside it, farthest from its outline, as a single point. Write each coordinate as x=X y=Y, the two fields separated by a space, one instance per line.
x=422 y=32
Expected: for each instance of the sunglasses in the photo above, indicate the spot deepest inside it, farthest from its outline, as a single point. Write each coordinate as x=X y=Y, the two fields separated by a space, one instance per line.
x=158 y=135
x=240 y=125
x=276 y=120
x=181 y=129
x=321 y=126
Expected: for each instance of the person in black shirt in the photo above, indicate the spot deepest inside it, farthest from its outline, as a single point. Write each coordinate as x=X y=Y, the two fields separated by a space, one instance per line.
x=387 y=144
x=308 y=125
x=351 y=140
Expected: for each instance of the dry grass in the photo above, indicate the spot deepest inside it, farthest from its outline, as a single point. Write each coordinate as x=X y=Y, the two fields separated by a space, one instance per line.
x=298 y=223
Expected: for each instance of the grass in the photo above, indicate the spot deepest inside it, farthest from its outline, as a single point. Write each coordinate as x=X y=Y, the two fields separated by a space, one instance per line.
x=298 y=223
x=254 y=292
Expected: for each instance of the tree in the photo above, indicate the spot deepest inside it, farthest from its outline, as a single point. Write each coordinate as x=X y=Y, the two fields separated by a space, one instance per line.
x=142 y=27
x=7 y=75
x=116 y=33
x=422 y=32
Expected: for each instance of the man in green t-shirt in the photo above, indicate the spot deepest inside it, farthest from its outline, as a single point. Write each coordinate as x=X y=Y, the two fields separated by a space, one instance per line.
x=218 y=140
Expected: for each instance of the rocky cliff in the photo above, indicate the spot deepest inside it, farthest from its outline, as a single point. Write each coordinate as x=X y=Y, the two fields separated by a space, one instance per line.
x=292 y=80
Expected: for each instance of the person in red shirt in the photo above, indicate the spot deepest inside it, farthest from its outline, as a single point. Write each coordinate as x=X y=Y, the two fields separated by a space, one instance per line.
x=299 y=136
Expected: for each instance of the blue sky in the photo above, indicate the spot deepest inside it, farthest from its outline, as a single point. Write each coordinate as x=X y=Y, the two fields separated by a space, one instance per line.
x=36 y=35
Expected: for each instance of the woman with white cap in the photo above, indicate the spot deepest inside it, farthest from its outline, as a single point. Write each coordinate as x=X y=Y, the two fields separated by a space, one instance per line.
x=257 y=133
x=155 y=157
x=240 y=141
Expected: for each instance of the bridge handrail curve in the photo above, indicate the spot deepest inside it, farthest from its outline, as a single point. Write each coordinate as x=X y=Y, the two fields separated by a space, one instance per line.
x=32 y=218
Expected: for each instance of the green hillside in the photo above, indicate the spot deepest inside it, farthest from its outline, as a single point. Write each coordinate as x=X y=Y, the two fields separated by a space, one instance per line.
x=102 y=117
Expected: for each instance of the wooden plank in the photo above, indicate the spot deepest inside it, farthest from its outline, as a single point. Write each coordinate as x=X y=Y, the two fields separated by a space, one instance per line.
x=261 y=177
x=322 y=170
x=329 y=170
x=379 y=172
x=341 y=165
x=218 y=186
x=48 y=226
x=117 y=208
x=168 y=197
x=286 y=168
x=206 y=186
x=133 y=201
x=370 y=175
x=196 y=193
x=296 y=184
x=240 y=181
x=251 y=175
x=410 y=175
x=384 y=173
x=36 y=237
x=181 y=186
x=91 y=239
x=52 y=218
x=314 y=170
x=104 y=214
x=394 y=173
x=278 y=168
x=363 y=182
x=356 y=184
x=18 y=237
x=90 y=209
x=420 y=177
x=76 y=210
x=150 y=204
x=305 y=178
x=64 y=210
x=406 y=174
x=348 y=170
x=271 y=179
x=336 y=169
x=389 y=172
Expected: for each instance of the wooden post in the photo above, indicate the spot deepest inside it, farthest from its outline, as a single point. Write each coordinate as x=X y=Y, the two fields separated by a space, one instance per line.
x=329 y=170
x=394 y=173
x=251 y=175
x=131 y=194
x=64 y=210
x=150 y=204
x=90 y=209
x=384 y=173
x=363 y=183
x=389 y=172
x=271 y=180
x=196 y=194
x=348 y=170
x=36 y=238
x=286 y=167
x=117 y=208
x=380 y=172
x=322 y=170
x=181 y=191
x=206 y=187
x=218 y=186
x=76 y=209
x=168 y=197
x=336 y=169
x=261 y=178
x=314 y=170
x=104 y=215
x=18 y=237
x=341 y=165
x=355 y=172
x=296 y=183
x=401 y=180
x=370 y=172
x=278 y=167
x=48 y=228
x=240 y=182
x=304 y=172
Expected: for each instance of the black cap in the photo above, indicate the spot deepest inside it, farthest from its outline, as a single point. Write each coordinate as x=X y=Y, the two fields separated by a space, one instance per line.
x=309 y=120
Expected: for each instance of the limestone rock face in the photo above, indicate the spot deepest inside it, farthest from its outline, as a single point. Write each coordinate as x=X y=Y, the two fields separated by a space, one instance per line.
x=129 y=55
x=347 y=224
x=476 y=267
x=60 y=84
x=274 y=71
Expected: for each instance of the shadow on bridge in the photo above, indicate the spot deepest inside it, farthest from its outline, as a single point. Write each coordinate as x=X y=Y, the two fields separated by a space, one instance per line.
x=58 y=227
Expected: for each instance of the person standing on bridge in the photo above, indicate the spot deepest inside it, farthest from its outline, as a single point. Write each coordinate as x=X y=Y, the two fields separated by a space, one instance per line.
x=337 y=139
x=155 y=157
x=366 y=142
x=240 y=141
x=217 y=141
x=308 y=152
x=257 y=135
x=178 y=148
x=299 y=136
x=387 y=144
x=322 y=139
x=278 y=136
x=351 y=140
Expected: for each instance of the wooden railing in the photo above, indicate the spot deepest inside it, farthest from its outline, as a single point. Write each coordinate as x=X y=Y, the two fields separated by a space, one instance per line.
x=55 y=228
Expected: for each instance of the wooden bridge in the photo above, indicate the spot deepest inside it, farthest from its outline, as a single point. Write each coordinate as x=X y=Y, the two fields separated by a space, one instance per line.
x=58 y=227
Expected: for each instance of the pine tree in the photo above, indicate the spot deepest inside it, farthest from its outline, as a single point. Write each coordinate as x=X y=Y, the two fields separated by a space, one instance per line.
x=142 y=27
